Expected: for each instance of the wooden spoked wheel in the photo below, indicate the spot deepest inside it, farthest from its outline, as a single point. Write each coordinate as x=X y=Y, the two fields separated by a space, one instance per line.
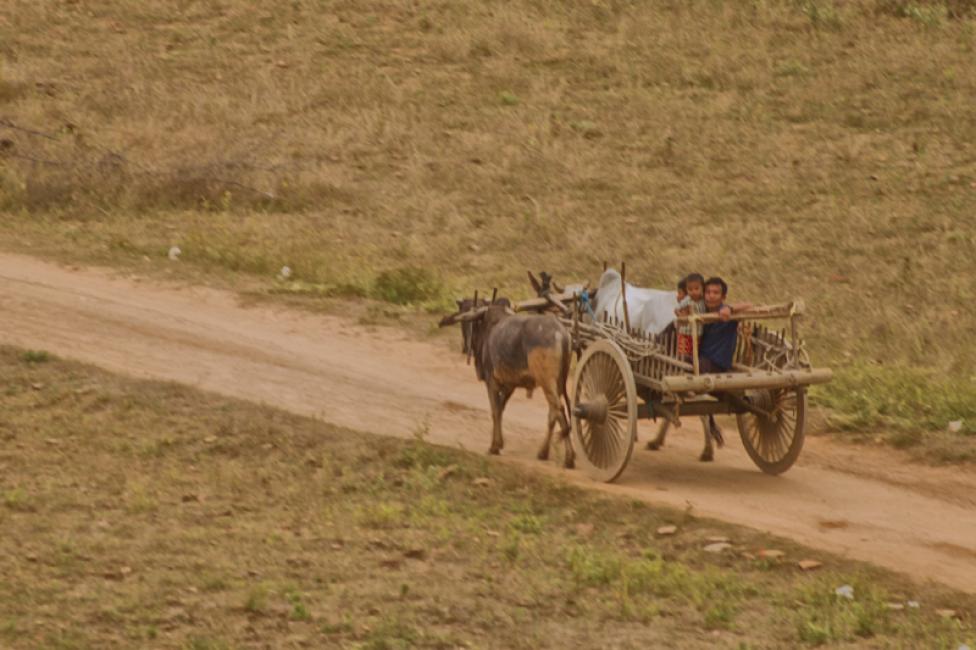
x=604 y=411
x=774 y=442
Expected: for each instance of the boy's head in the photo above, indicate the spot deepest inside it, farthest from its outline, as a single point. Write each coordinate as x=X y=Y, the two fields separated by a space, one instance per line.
x=695 y=285
x=682 y=288
x=715 y=291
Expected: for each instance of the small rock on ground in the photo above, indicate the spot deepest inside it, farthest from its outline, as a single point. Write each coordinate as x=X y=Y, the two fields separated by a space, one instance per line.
x=718 y=547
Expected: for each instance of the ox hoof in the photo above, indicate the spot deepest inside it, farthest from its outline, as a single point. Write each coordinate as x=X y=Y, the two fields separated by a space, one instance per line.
x=543 y=454
x=570 y=464
x=706 y=457
x=654 y=445
x=494 y=451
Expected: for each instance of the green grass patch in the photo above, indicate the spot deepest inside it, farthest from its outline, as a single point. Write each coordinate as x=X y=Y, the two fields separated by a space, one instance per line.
x=930 y=415
x=899 y=398
x=35 y=356
x=408 y=285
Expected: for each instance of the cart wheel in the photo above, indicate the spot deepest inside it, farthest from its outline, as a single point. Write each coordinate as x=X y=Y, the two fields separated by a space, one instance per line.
x=604 y=411
x=774 y=443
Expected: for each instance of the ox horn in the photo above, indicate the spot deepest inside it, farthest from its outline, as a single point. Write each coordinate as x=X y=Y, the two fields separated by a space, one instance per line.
x=472 y=315
x=463 y=316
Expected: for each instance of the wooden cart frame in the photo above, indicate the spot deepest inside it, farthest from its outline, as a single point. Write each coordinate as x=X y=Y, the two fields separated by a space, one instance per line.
x=623 y=375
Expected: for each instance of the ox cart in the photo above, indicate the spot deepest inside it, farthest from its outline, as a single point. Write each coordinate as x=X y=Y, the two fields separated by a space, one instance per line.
x=623 y=375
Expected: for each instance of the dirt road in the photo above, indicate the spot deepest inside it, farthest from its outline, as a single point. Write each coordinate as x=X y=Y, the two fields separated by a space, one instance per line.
x=866 y=504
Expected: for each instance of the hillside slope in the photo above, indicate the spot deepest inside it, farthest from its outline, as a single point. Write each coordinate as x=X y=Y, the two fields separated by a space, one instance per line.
x=799 y=148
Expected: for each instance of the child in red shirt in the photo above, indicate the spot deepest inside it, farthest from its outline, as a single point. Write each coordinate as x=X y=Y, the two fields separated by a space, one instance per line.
x=692 y=302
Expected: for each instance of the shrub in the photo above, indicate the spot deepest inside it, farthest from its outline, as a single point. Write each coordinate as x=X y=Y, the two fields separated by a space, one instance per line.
x=407 y=285
x=35 y=356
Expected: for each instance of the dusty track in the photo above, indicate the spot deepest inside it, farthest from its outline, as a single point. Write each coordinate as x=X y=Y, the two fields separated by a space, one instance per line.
x=866 y=504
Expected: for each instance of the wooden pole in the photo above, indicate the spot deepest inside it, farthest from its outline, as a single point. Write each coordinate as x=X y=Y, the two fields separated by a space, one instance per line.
x=795 y=340
x=470 y=342
x=576 y=338
x=756 y=313
x=694 y=346
x=743 y=381
x=623 y=293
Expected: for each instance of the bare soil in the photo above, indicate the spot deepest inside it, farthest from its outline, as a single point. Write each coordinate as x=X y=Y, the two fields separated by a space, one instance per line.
x=866 y=504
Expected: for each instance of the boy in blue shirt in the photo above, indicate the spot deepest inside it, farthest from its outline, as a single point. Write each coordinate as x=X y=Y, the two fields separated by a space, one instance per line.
x=716 y=349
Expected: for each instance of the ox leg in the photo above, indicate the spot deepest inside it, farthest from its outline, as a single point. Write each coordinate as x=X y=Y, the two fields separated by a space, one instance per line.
x=662 y=432
x=570 y=461
x=557 y=416
x=566 y=423
x=708 y=453
x=716 y=432
x=498 y=397
x=544 y=449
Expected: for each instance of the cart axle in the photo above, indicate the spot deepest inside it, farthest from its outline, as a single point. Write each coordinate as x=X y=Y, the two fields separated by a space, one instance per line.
x=595 y=411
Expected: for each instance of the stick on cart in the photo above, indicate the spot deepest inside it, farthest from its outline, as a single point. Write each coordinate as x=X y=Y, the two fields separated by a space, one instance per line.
x=623 y=375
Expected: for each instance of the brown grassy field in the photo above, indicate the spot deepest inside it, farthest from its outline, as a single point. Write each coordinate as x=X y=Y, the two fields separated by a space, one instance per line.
x=410 y=151
x=144 y=514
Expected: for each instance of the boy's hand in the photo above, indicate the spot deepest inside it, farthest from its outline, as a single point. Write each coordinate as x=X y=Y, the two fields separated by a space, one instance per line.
x=725 y=313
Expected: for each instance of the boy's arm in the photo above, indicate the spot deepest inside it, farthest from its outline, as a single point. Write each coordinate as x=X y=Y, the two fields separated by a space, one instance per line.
x=725 y=313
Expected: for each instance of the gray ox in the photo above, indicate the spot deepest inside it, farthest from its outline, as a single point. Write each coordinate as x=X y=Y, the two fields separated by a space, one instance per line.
x=518 y=351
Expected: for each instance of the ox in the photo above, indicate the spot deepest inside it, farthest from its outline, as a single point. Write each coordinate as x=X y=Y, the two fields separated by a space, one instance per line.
x=518 y=351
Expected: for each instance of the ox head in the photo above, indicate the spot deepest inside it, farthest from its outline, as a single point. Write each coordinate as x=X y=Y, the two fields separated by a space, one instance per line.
x=471 y=316
x=544 y=284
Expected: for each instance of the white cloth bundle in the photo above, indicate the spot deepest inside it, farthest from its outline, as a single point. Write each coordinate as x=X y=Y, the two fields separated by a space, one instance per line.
x=650 y=310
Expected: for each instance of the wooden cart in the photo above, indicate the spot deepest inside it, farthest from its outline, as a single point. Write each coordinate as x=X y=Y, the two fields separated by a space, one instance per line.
x=623 y=375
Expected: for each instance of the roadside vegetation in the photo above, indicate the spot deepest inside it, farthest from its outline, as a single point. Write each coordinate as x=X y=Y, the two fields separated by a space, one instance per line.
x=410 y=152
x=146 y=514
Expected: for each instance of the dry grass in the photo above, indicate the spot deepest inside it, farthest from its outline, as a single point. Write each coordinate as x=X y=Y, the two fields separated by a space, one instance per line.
x=143 y=514
x=798 y=147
